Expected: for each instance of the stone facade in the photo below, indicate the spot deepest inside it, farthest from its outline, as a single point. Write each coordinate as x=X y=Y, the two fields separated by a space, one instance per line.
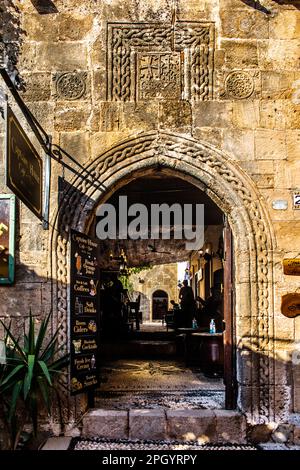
x=209 y=89
x=162 y=277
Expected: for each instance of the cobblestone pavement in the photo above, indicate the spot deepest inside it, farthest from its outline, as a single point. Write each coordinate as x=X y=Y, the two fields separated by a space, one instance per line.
x=122 y=444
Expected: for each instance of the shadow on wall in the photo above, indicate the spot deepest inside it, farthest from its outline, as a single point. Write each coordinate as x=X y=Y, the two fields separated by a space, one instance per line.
x=258 y=5
x=44 y=7
x=11 y=38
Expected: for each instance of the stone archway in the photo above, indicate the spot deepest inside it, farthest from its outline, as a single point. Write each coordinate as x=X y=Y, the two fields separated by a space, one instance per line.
x=233 y=191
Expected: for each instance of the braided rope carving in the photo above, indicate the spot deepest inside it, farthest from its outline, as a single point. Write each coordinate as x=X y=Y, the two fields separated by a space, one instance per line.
x=125 y=39
x=177 y=148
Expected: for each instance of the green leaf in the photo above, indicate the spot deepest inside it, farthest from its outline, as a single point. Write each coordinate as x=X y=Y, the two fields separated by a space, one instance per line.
x=14 y=398
x=16 y=345
x=11 y=374
x=42 y=333
x=28 y=377
x=46 y=354
x=31 y=340
x=44 y=390
x=33 y=405
x=44 y=368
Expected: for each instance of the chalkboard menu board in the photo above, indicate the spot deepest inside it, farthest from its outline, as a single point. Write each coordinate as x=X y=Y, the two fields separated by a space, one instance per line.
x=84 y=313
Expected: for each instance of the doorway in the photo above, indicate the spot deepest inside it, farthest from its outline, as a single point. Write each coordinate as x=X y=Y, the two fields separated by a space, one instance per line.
x=160 y=301
x=171 y=343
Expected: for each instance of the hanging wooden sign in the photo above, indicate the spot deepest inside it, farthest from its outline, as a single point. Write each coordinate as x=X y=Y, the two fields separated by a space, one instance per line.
x=24 y=166
x=291 y=266
x=290 y=305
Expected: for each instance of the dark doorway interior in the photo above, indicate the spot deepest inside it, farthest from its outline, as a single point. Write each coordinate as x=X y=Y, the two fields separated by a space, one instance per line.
x=159 y=304
x=147 y=346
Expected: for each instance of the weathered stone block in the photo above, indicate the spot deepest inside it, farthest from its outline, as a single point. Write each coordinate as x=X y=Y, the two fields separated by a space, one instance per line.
x=239 y=144
x=285 y=25
x=273 y=56
x=101 y=141
x=37 y=86
x=61 y=56
x=272 y=114
x=212 y=114
x=140 y=116
x=43 y=111
x=27 y=59
x=287 y=175
x=239 y=23
x=147 y=424
x=77 y=144
x=72 y=118
x=231 y=426
x=110 y=116
x=293 y=144
x=40 y=27
x=99 y=88
x=192 y=425
x=292 y=115
x=245 y=114
x=176 y=115
x=270 y=145
x=17 y=300
x=276 y=85
x=209 y=134
x=112 y=424
x=74 y=26
x=240 y=54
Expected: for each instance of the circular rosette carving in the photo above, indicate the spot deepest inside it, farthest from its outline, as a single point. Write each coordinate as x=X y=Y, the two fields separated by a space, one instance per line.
x=71 y=85
x=239 y=84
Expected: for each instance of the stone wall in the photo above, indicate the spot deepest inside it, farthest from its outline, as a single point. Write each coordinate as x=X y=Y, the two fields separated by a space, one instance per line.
x=160 y=277
x=224 y=73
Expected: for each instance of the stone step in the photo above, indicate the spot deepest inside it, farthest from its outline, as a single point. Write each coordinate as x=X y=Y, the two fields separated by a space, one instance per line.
x=202 y=426
x=140 y=349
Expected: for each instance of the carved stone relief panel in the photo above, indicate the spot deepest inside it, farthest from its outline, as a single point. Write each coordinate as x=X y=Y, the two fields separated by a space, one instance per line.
x=155 y=61
x=70 y=85
x=238 y=84
x=159 y=76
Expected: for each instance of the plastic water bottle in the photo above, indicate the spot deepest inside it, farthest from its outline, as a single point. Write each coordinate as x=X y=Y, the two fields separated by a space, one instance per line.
x=212 y=327
x=194 y=324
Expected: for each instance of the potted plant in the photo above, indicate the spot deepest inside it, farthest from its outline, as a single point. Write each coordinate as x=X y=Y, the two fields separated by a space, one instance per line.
x=28 y=375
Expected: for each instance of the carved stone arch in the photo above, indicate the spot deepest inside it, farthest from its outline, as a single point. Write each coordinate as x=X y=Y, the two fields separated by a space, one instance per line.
x=235 y=193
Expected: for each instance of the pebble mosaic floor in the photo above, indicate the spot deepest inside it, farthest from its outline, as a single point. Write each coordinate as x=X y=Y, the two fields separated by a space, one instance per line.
x=122 y=444
x=157 y=384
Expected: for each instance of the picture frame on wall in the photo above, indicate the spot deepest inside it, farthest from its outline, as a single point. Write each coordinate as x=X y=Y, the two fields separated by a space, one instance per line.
x=7 y=238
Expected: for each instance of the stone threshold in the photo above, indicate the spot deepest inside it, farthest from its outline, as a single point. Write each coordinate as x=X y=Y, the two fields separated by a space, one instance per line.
x=202 y=426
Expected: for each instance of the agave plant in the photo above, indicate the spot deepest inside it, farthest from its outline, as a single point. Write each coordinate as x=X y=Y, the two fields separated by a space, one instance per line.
x=27 y=378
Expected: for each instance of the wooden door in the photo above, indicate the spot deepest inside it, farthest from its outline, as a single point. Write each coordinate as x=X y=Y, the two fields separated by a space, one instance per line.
x=229 y=333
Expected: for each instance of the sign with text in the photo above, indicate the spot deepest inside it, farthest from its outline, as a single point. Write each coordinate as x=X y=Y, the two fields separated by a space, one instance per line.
x=290 y=305
x=296 y=200
x=84 y=313
x=291 y=266
x=24 y=166
x=7 y=238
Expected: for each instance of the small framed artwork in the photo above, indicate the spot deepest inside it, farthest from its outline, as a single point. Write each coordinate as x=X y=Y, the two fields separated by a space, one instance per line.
x=7 y=238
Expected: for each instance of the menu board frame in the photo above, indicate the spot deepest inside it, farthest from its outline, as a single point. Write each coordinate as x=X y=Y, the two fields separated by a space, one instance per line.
x=84 y=318
x=9 y=225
